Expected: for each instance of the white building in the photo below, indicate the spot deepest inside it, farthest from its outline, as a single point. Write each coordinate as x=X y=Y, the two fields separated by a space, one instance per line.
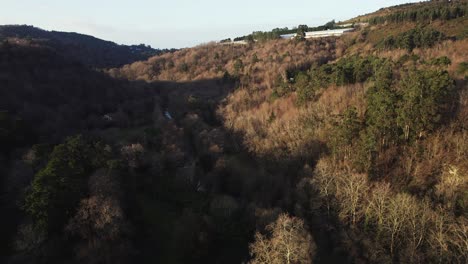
x=328 y=33
x=321 y=34
x=288 y=36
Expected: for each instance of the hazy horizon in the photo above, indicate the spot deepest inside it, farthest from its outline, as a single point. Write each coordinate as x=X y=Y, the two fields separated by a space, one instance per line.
x=164 y=24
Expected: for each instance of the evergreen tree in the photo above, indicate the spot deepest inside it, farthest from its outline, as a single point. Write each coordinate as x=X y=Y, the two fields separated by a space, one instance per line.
x=381 y=107
x=238 y=66
x=425 y=94
x=304 y=88
x=57 y=188
x=345 y=133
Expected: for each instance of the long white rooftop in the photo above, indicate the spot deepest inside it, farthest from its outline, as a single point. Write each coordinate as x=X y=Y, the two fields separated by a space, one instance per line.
x=322 y=33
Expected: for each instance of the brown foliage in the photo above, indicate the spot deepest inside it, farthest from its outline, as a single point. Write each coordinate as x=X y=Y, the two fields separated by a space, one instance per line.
x=98 y=218
x=100 y=223
x=399 y=212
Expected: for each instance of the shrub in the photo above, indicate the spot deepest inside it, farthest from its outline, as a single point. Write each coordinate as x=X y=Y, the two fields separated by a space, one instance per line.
x=414 y=38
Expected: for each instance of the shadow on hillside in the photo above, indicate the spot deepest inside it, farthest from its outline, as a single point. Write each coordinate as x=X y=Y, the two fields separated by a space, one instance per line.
x=59 y=98
x=266 y=182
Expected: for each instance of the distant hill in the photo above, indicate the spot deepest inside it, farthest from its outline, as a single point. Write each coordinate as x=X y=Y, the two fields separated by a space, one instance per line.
x=86 y=49
x=52 y=93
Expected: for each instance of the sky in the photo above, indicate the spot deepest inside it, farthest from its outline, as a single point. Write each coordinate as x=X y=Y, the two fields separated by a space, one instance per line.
x=179 y=23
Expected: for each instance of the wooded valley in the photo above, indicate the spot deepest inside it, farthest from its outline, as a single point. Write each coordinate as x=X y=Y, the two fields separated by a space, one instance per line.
x=350 y=149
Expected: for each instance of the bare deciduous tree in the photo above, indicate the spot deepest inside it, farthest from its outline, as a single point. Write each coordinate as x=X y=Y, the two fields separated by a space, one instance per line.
x=448 y=239
x=132 y=154
x=451 y=186
x=100 y=222
x=351 y=192
x=378 y=202
x=395 y=219
x=416 y=228
x=325 y=182
x=288 y=242
x=438 y=237
x=459 y=240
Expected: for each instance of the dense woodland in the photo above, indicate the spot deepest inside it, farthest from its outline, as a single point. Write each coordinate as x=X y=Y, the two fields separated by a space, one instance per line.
x=88 y=50
x=349 y=149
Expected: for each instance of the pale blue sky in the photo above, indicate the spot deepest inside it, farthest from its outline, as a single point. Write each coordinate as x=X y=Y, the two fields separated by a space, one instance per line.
x=179 y=23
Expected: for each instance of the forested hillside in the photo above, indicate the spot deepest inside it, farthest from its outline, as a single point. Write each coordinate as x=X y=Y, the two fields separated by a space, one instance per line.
x=86 y=49
x=46 y=98
x=350 y=149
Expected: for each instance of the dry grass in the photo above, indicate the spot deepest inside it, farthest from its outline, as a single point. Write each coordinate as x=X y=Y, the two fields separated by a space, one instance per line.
x=456 y=51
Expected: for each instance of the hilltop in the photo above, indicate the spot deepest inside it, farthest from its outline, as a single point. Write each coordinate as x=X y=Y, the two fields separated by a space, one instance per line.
x=430 y=9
